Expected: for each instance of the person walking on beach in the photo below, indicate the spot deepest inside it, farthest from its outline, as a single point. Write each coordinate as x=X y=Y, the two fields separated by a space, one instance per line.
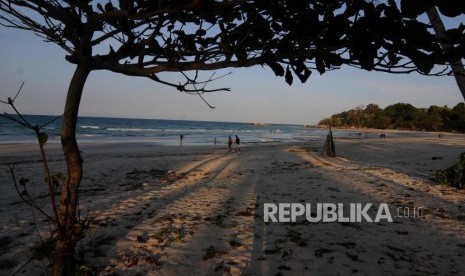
x=230 y=142
x=238 y=142
x=181 y=137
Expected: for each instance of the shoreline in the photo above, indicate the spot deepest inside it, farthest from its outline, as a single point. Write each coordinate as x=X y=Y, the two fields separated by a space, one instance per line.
x=174 y=140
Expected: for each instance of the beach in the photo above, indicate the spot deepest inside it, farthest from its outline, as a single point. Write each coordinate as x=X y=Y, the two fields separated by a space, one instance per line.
x=199 y=210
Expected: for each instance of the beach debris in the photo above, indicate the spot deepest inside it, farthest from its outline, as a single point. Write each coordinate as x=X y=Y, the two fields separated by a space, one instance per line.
x=142 y=238
x=353 y=257
x=130 y=261
x=234 y=243
x=329 y=148
x=395 y=248
x=219 y=267
x=167 y=235
x=287 y=254
x=218 y=220
x=348 y=245
x=271 y=251
x=321 y=251
x=246 y=213
x=436 y=158
x=284 y=267
x=294 y=236
x=103 y=223
x=211 y=252
x=302 y=244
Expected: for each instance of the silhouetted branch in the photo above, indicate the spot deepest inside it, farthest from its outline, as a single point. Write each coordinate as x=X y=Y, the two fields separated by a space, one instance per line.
x=41 y=139
x=24 y=195
x=190 y=86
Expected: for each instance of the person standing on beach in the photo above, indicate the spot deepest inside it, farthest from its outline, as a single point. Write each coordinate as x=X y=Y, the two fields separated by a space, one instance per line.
x=238 y=142
x=230 y=142
x=181 y=137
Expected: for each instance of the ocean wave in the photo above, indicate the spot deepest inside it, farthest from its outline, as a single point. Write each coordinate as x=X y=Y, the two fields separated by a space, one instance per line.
x=91 y=127
x=187 y=130
x=122 y=129
x=175 y=130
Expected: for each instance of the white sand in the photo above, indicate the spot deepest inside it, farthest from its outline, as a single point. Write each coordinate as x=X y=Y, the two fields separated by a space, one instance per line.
x=206 y=216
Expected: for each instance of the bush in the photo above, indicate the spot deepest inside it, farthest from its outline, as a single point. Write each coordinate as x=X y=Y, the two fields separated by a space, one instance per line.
x=454 y=175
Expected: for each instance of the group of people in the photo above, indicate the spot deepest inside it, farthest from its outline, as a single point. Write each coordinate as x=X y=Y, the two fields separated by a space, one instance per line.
x=230 y=143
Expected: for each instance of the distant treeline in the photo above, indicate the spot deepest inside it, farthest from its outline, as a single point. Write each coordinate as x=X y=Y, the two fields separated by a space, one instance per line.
x=401 y=116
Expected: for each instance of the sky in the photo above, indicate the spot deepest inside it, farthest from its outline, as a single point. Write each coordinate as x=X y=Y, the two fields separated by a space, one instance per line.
x=256 y=94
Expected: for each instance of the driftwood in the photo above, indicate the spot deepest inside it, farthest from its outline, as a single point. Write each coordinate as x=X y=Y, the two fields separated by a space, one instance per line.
x=329 y=149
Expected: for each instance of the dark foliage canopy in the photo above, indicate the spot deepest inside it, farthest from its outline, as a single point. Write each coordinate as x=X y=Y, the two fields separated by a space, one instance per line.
x=293 y=38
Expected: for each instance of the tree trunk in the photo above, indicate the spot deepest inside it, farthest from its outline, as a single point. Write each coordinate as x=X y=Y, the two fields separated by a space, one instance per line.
x=440 y=30
x=68 y=235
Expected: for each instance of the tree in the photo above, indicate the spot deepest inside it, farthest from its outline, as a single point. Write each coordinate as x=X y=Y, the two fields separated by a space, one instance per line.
x=293 y=38
x=435 y=117
x=403 y=116
x=441 y=32
x=369 y=115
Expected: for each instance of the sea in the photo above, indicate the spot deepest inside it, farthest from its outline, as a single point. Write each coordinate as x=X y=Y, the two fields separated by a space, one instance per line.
x=163 y=132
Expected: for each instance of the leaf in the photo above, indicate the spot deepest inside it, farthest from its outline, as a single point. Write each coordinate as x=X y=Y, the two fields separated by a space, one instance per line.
x=288 y=76
x=109 y=7
x=454 y=34
x=451 y=8
x=100 y=7
x=201 y=32
x=277 y=68
x=180 y=33
x=305 y=75
x=393 y=58
x=414 y=8
x=334 y=60
x=241 y=55
x=366 y=61
x=320 y=65
x=42 y=137
x=421 y=60
x=391 y=10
